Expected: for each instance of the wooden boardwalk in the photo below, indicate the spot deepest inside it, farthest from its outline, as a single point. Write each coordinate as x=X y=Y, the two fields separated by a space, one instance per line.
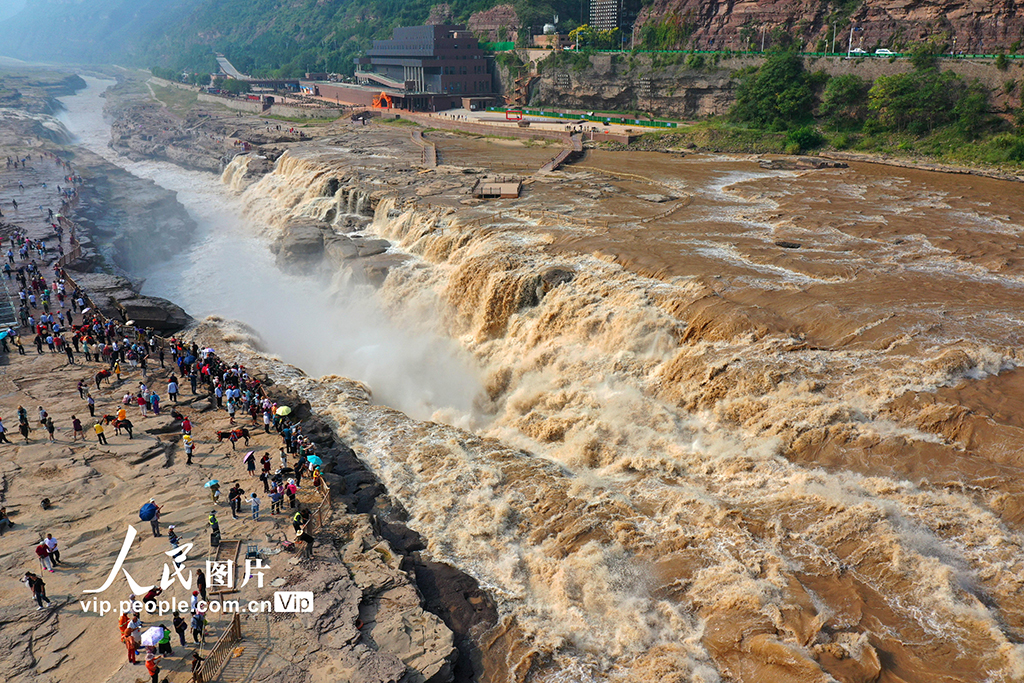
x=566 y=155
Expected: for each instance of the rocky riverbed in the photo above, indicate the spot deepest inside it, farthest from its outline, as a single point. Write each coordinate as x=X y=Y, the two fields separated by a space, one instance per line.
x=383 y=612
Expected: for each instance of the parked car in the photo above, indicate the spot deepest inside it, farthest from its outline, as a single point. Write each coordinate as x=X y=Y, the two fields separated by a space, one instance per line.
x=882 y=52
x=858 y=51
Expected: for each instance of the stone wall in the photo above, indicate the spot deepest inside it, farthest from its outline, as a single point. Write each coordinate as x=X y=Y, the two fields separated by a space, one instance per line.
x=285 y=110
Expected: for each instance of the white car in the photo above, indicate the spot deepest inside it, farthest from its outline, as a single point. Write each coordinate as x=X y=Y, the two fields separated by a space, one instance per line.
x=858 y=51
x=882 y=52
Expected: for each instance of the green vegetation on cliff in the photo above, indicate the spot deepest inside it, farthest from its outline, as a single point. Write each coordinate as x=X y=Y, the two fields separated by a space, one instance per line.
x=924 y=111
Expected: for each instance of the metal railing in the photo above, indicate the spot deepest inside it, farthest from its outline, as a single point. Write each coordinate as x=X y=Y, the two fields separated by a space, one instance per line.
x=221 y=652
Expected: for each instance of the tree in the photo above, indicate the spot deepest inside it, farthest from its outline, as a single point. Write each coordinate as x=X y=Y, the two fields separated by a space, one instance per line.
x=843 y=102
x=778 y=95
x=970 y=110
x=235 y=86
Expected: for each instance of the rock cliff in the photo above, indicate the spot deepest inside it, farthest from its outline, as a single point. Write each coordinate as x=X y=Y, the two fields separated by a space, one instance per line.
x=978 y=27
x=635 y=83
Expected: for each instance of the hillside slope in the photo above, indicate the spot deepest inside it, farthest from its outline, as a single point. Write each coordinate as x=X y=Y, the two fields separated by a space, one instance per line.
x=288 y=37
x=89 y=30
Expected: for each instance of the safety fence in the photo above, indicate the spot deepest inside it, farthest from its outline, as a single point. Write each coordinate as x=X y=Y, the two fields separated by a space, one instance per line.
x=758 y=53
x=221 y=652
x=428 y=149
x=318 y=519
x=595 y=118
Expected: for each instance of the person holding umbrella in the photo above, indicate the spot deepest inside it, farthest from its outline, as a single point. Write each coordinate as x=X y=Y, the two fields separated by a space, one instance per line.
x=250 y=463
x=214 y=487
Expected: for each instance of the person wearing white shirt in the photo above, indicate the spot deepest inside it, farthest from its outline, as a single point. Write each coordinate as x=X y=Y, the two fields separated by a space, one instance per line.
x=51 y=544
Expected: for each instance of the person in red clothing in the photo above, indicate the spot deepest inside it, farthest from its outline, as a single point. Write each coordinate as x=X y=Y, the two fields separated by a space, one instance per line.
x=152 y=668
x=43 y=553
x=130 y=644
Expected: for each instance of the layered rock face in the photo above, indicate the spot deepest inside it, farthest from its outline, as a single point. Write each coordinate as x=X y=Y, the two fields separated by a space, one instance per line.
x=630 y=83
x=977 y=27
x=491 y=22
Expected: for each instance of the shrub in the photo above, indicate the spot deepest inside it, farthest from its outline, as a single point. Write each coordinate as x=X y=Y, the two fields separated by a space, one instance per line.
x=804 y=138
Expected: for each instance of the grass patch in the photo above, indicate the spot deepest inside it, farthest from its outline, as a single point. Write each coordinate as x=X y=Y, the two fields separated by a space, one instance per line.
x=177 y=100
x=396 y=122
x=713 y=135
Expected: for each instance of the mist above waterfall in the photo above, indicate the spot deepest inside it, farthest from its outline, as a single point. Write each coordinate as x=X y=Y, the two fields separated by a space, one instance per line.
x=322 y=326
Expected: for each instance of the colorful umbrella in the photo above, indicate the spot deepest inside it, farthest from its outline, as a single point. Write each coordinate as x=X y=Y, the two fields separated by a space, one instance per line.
x=246 y=456
x=211 y=483
x=152 y=636
x=284 y=410
x=314 y=460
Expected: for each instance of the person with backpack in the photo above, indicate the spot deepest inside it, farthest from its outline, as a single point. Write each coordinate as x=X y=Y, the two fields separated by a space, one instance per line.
x=180 y=627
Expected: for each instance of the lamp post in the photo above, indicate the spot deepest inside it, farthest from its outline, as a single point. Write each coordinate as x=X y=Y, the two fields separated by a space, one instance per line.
x=849 y=47
x=762 y=37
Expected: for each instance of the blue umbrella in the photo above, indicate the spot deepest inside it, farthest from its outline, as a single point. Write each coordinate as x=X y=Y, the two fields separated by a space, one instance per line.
x=212 y=482
x=314 y=460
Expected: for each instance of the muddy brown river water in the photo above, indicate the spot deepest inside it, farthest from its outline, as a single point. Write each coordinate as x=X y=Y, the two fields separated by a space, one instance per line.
x=727 y=423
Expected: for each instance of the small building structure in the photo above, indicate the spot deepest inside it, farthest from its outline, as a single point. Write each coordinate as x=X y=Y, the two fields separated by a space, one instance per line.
x=552 y=41
x=421 y=68
x=497 y=187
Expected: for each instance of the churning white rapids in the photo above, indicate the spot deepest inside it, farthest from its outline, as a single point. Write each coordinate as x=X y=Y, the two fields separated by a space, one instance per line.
x=226 y=270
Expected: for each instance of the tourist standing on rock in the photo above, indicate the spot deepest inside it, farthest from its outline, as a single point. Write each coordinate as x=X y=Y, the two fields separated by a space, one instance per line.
x=51 y=545
x=155 y=522
x=38 y=588
x=180 y=627
x=198 y=620
x=76 y=429
x=24 y=429
x=100 y=436
x=305 y=537
x=164 y=644
x=172 y=537
x=250 y=463
x=43 y=553
x=81 y=389
x=152 y=666
x=235 y=499
x=189 y=448
x=91 y=402
x=129 y=643
x=3 y=432
x=172 y=388
x=197 y=668
x=50 y=429
x=254 y=504
x=201 y=584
